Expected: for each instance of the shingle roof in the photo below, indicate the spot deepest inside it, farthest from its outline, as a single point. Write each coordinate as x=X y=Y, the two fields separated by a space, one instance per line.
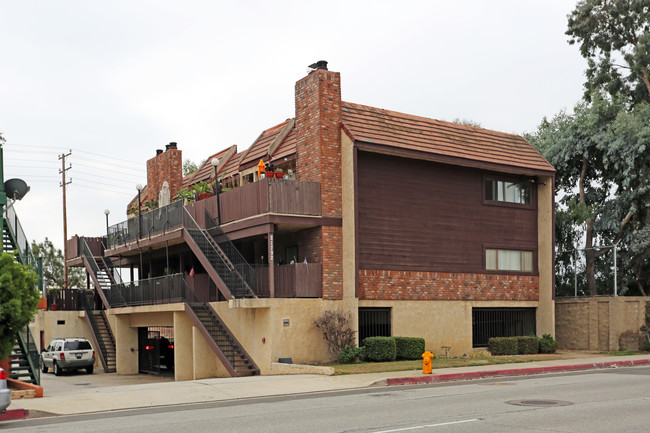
x=206 y=171
x=446 y=139
x=259 y=149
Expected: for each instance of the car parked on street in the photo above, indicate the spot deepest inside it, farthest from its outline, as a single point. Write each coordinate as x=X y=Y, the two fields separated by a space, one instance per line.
x=68 y=353
x=5 y=393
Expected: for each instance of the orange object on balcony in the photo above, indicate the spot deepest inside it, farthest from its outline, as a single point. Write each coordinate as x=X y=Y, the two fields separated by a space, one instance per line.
x=260 y=168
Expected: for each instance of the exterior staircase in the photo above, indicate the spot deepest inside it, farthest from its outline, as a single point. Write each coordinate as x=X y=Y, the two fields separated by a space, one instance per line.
x=103 y=277
x=226 y=270
x=24 y=360
x=101 y=332
x=221 y=340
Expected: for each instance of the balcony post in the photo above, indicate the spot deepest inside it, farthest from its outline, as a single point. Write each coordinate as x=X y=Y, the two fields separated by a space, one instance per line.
x=271 y=263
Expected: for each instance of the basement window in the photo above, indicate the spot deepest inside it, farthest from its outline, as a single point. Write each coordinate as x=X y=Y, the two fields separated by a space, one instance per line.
x=501 y=322
x=374 y=322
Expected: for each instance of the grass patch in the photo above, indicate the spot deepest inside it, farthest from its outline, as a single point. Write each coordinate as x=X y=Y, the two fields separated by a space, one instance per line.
x=438 y=363
x=623 y=353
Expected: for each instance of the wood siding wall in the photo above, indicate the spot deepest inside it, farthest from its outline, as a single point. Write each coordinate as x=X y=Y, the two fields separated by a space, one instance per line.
x=425 y=216
x=278 y=196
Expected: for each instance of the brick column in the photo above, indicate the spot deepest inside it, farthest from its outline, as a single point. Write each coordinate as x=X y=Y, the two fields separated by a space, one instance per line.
x=318 y=146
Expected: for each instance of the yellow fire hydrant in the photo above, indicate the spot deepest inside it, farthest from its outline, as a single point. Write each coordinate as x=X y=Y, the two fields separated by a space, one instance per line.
x=426 y=362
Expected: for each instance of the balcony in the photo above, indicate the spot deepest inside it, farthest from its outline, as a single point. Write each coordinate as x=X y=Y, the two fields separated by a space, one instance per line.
x=285 y=197
x=301 y=280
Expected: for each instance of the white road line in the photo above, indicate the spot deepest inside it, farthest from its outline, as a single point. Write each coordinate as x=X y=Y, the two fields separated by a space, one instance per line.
x=428 y=425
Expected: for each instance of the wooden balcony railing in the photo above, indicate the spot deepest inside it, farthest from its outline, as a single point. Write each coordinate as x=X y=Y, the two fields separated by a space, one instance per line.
x=265 y=196
x=301 y=280
x=95 y=245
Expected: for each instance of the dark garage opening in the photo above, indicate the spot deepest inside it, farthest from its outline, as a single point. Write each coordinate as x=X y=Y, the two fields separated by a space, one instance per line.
x=156 y=350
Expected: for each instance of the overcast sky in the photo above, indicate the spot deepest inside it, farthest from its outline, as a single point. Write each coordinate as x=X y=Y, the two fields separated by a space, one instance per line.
x=115 y=80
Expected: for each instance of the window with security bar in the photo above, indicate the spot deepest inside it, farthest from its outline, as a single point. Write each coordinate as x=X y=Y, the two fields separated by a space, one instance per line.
x=501 y=322
x=374 y=322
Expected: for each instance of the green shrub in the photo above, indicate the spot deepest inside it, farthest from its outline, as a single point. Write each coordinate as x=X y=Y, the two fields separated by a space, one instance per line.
x=527 y=345
x=378 y=349
x=645 y=346
x=503 y=346
x=409 y=347
x=350 y=354
x=547 y=344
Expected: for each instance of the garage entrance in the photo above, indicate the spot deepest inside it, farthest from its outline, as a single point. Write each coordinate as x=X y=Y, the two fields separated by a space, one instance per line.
x=156 y=350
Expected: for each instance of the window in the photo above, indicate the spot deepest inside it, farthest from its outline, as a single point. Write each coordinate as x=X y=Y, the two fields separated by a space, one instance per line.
x=501 y=322
x=374 y=322
x=508 y=260
x=508 y=192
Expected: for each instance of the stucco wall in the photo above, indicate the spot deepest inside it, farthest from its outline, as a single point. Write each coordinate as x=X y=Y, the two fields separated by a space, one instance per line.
x=440 y=323
x=74 y=325
x=599 y=324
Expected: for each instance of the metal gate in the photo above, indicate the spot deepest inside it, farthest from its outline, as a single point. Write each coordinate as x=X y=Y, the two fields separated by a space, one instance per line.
x=149 y=351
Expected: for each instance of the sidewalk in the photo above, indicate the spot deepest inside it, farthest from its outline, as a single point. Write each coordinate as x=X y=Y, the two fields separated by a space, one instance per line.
x=214 y=390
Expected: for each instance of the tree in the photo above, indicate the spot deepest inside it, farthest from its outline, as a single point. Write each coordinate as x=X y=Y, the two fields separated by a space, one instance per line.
x=189 y=167
x=18 y=300
x=53 y=274
x=602 y=160
x=467 y=122
x=612 y=32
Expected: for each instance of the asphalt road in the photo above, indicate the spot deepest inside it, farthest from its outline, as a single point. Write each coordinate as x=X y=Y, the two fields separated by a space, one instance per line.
x=616 y=400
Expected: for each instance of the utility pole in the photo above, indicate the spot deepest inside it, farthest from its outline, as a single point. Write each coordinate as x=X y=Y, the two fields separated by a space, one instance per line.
x=65 y=220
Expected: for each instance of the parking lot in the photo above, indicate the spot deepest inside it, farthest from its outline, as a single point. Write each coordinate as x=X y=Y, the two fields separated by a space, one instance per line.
x=75 y=382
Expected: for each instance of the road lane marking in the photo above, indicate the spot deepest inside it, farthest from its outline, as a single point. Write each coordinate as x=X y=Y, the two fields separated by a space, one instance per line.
x=428 y=425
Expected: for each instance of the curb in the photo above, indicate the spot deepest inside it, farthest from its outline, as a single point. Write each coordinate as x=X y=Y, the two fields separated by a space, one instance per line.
x=14 y=414
x=511 y=372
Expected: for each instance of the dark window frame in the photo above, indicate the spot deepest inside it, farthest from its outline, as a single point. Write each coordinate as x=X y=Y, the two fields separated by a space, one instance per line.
x=488 y=322
x=377 y=329
x=515 y=247
x=497 y=178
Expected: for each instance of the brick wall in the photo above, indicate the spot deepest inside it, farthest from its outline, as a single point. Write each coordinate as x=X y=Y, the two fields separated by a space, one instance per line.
x=405 y=285
x=310 y=242
x=318 y=139
x=318 y=148
x=168 y=166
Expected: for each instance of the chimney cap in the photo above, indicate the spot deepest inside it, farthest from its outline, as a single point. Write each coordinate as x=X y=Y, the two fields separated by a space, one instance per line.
x=158 y=151
x=171 y=145
x=321 y=64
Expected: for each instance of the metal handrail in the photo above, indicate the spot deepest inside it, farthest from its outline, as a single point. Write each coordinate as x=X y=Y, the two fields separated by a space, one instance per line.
x=160 y=290
x=16 y=229
x=242 y=267
x=153 y=222
x=32 y=355
x=229 y=276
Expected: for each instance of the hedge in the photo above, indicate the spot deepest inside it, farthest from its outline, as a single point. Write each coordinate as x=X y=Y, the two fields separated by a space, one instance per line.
x=409 y=347
x=378 y=349
x=527 y=345
x=503 y=346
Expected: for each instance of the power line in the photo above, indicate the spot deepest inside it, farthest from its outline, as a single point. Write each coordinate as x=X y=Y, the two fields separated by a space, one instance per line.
x=103 y=162
x=102 y=189
x=111 y=157
x=106 y=177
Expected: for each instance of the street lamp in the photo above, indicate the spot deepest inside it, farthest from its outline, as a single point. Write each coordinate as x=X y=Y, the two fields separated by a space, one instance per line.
x=107 y=212
x=139 y=188
x=215 y=163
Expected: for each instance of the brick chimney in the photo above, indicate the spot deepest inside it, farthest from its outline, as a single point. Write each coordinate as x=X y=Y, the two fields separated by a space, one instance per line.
x=318 y=148
x=318 y=128
x=165 y=166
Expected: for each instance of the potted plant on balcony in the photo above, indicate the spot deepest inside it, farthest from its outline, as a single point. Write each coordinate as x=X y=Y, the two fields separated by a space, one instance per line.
x=279 y=173
x=202 y=190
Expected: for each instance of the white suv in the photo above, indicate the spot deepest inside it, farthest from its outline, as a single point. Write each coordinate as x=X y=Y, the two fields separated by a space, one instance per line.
x=68 y=353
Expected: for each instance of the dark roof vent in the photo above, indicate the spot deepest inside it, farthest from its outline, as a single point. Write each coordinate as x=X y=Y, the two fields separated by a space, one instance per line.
x=158 y=151
x=321 y=64
x=171 y=145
